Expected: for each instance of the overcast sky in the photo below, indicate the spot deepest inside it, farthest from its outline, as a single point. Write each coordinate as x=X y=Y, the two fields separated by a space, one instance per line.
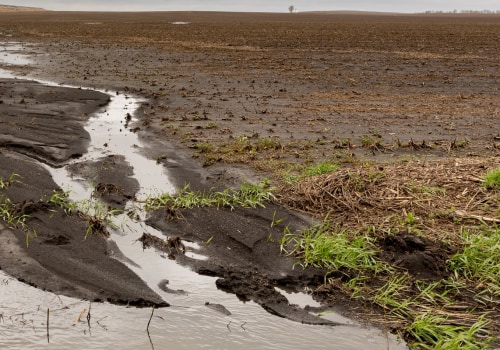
x=259 y=5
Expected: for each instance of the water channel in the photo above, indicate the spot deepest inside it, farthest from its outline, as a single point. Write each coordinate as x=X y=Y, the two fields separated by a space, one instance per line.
x=188 y=323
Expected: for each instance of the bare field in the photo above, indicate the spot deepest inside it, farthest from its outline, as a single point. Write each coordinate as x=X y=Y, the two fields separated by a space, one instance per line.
x=301 y=79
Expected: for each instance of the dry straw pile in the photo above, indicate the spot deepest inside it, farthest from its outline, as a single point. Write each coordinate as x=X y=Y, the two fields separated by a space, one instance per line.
x=431 y=196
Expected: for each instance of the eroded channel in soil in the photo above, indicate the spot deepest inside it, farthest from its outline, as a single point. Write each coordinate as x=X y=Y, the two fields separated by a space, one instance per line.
x=226 y=322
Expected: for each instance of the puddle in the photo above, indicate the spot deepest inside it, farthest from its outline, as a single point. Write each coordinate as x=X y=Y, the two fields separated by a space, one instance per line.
x=24 y=325
x=301 y=299
x=109 y=136
x=11 y=55
x=7 y=74
x=188 y=323
x=306 y=302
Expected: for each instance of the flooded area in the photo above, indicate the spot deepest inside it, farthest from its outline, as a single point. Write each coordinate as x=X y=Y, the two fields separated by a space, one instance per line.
x=34 y=319
x=23 y=324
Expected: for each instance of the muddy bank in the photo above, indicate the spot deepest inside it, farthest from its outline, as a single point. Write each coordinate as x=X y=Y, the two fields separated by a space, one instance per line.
x=46 y=123
x=243 y=251
x=112 y=177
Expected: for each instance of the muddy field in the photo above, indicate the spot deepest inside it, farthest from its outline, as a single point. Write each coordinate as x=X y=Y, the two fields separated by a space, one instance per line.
x=316 y=81
x=402 y=101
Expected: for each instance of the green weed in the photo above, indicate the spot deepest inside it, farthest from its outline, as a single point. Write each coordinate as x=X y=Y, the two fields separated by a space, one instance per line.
x=268 y=143
x=160 y=158
x=253 y=196
x=426 y=189
x=13 y=178
x=15 y=220
x=319 y=169
x=248 y=196
x=479 y=260
x=433 y=293
x=61 y=200
x=376 y=175
x=438 y=332
x=492 y=179
x=392 y=296
x=204 y=147
x=367 y=141
x=97 y=214
x=427 y=330
x=411 y=219
x=357 y=287
x=332 y=248
x=291 y=179
x=276 y=222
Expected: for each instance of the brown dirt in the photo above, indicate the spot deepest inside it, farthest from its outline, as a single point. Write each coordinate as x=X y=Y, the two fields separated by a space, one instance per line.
x=404 y=103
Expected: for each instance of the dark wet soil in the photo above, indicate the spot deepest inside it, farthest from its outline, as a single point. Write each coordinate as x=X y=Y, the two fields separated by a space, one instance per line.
x=112 y=177
x=423 y=258
x=47 y=127
x=46 y=122
x=244 y=251
x=61 y=258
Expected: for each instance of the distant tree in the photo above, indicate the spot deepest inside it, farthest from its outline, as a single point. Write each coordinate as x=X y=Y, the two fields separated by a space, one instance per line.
x=291 y=9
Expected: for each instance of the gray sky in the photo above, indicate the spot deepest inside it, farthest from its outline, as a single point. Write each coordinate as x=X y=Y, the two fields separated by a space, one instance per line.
x=259 y=5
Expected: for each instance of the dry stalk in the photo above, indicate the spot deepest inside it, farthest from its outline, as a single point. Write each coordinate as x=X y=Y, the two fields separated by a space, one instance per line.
x=436 y=193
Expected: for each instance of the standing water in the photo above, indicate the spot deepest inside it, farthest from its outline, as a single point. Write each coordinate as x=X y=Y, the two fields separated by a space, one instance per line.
x=188 y=323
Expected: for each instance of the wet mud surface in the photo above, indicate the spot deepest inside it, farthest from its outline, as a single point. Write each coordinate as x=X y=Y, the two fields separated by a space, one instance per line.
x=60 y=258
x=421 y=257
x=112 y=177
x=46 y=122
x=376 y=88
x=243 y=252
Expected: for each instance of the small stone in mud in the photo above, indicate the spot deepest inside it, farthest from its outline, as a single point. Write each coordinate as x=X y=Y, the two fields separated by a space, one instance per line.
x=163 y=285
x=219 y=308
x=128 y=118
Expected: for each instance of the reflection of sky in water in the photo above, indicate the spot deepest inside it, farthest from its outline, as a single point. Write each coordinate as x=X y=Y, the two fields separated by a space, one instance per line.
x=9 y=55
x=188 y=324
x=6 y=74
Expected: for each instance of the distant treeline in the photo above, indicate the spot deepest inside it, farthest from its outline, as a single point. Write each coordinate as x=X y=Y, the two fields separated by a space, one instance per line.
x=490 y=12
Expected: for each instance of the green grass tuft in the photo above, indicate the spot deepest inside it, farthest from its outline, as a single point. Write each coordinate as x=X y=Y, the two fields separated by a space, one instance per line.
x=13 y=178
x=437 y=332
x=336 y=250
x=492 y=179
x=248 y=196
x=320 y=169
x=479 y=260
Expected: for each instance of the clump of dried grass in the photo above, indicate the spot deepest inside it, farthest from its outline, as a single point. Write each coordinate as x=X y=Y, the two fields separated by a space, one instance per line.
x=437 y=194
